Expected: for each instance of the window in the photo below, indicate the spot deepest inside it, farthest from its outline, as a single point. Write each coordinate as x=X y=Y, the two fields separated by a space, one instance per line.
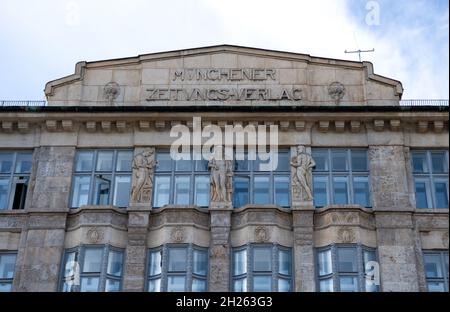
x=7 y=268
x=436 y=270
x=92 y=268
x=260 y=267
x=341 y=176
x=178 y=268
x=180 y=182
x=15 y=168
x=347 y=268
x=102 y=177
x=254 y=186
x=430 y=170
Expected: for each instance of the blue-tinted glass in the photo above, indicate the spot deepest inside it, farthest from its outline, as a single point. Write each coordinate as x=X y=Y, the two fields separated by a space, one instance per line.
x=433 y=266
x=421 y=195
x=80 y=191
x=262 y=283
x=177 y=259
x=441 y=195
x=182 y=189
x=162 y=191
x=438 y=162
x=283 y=161
x=284 y=262
x=321 y=160
x=348 y=284
x=176 y=283
x=201 y=165
x=4 y=184
x=359 y=161
x=124 y=159
x=261 y=190
x=361 y=191
x=104 y=161
x=122 y=188
x=6 y=160
x=339 y=160
x=326 y=285
x=241 y=190
x=23 y=163
x=419 y=161
x=102 y=189
x=164 y=162
x=320 y=191
x=340 y=190
x=281 y=191
x=262 y=259
x=115 y=260
x=347 y=260
x=436 y=287
x=84 y=161
x=184 y=164
x=198 y=285
x=200 y=262
x=201 y=196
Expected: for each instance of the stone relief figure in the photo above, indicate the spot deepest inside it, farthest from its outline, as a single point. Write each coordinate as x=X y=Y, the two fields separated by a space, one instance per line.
x=303 y=164
x=218 y=179
x=143 y=166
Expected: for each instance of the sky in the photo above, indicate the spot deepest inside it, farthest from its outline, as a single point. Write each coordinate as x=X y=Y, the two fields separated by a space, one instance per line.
x=42 y=40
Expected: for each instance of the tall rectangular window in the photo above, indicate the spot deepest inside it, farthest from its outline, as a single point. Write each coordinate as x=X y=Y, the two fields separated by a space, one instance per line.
x=7 y=268
x=347 y=268
x=180 y=182
x=341 y=176
x=436 y=270
x=92 y=269
x=177 y=268
x=15 y=169
x=261 y=267
x=253 y=184
x=102 y=177
x=430 y=170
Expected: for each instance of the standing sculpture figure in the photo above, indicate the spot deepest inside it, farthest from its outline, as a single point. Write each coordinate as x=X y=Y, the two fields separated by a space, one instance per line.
x=143 y=165
x=218 y=183
x=303 y=164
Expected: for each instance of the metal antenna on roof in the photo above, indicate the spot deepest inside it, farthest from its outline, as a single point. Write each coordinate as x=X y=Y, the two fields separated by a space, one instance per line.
x=359 y=51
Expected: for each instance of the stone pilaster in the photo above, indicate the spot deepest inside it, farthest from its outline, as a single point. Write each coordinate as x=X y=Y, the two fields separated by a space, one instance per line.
x=42 y=241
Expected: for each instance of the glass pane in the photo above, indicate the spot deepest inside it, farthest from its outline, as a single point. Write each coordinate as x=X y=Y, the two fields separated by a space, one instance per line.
x=241 y=190
x=122 y=187
x=182 y=186
x=261 y=190
x=419 y=161
x=154 y=285
x=184 y=164
x=7 y=265
x=262 y=259
x=340 y=190
x=441 y=195
x=240 y=285
x=89 y=284
x=164 y=162
x=421 y=195
x=80 y=193
x=198 y=285
x=320 y=191
x=284 y=285
x=68 y=287
x=262 y=283
x=124 y=159
x=162 y=191
x=284 y=262
x=104 y=161
x=359 y=161
x=339 y=160
x=438 y=162
x=102 y=189
x=347 y=260
x=242 y=165
x=155 y=262
x=6 y=160
x=321 y=160
x=177 y=259
x=348 y=283
x=70 y=266
x=325 y=265
x=436 y=287
x=115 y=260
x=23 y=162
x=240 y=262
x=281 y=191
x=433 y=266
x=176 y=283
x=200 y=262
x=326 y=285
x=112 y=285
x=84 y=161
x=361 y=191
x=92 y=260
x=201 y=165
x=283 y=161
x=202 y=191
x=5 y=287
x=4 y=185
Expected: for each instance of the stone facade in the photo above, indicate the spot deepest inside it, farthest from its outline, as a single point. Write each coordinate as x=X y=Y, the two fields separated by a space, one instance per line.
x=118 y=108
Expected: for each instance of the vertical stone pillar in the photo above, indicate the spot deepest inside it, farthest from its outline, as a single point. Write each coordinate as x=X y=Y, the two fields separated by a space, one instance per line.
x=138 y=218
x=393 y=217
x=42 y=241
x=302 y=223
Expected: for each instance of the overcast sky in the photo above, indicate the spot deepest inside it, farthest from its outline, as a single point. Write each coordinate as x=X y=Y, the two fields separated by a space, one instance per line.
x=42 y=40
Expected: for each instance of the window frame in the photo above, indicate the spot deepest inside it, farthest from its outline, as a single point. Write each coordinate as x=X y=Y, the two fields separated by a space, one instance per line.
x=430 y=178
x=251 y=273
x=103 y=276
x=188 y=274
x=93 y=173
x=330 y=175
x=335 y=274
x=16 y=178
x=445 y=276
x=9 y=281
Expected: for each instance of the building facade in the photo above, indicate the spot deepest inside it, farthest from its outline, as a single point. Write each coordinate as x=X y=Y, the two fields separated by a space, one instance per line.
x=91 y=198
